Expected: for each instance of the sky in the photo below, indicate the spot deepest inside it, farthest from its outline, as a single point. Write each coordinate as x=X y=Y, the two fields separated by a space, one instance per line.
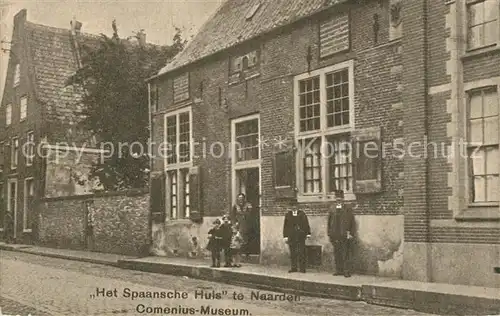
x=158 y=18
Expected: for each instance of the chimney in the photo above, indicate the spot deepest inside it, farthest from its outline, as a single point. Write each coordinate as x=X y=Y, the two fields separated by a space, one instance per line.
x=20 y=17
x=76 y=27
x=141 y=37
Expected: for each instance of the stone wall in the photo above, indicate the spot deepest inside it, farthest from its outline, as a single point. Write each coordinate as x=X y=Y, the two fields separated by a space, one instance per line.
x=67 y=172
x=120 y=222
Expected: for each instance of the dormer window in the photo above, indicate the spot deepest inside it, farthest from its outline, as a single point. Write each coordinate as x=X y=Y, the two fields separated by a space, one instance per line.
x=244 y=62
x=244 y=66
x=17 y=75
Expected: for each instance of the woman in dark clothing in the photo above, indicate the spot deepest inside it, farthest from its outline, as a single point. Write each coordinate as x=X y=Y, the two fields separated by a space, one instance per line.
x=241 y=214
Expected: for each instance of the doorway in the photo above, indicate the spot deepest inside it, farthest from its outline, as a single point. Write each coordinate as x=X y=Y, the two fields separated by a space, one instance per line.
x=12 y=209
x=248 y=183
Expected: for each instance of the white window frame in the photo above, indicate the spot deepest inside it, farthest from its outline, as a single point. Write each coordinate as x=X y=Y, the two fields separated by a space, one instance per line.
x=25 y=206
x=323 y=131
x=466 y=14
x=14 y=212
x=14 y=153
x=178 y=166
x=30 y=147
x=247 y=164
x=17 y=75
x=8 y=114
x=23 y=108
x=469 y=203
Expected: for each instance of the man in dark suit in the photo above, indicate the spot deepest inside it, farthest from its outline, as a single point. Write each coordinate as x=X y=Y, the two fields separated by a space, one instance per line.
x=341 y=226
x=296 y=230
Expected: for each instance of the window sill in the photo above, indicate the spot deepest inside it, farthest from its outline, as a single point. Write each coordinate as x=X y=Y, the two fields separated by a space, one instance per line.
x=484 y=212
x=323 y=198
x=490 y=49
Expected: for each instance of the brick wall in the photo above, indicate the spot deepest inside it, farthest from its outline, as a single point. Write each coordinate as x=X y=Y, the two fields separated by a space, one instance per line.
x=414 y=101
x=120 y=222
x=378 y=95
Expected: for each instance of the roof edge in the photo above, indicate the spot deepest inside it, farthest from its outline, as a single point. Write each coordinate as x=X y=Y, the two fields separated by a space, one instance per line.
x=245 y=41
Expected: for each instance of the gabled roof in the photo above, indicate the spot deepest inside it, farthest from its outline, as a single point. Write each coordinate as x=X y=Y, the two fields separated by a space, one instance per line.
x=53 y=60
x=234 y=23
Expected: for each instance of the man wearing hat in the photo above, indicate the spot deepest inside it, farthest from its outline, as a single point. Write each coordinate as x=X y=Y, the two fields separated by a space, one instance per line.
x=341 y=226
x=296 y=230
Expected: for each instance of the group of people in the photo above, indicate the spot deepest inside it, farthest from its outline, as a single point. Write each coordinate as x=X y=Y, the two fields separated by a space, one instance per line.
x=340 y=229
x=229 y=236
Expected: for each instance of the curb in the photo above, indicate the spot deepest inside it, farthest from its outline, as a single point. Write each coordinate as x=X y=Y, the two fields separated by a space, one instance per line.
x=375 y=294
x=251 y=280
x=58 y=256
x=430 y=302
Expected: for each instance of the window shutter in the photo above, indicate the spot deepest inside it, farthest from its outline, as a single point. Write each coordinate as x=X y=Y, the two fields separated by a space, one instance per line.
x=334 y=35
x=196 y=205
x=157 y=197
x=284 y=174
x=367 y=160
x=181 y=88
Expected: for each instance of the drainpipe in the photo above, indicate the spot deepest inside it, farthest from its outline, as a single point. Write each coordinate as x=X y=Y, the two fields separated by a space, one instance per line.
x=150 y=220
x=428 y=240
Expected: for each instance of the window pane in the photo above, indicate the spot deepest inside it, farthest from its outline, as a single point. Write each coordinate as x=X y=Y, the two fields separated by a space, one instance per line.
x=490 y=33
x=475 y=37
x=476 y=131
x=309 y=104
x=492 y=189
x=337 y=90
x=477 y=160
x=490 y=10
x=311 y=165
x=476 y=14
x=340 y=175
x=171 y=139
x=479 y=189
x=491 y=103
x=247 y=140
x=492 y=160
x=491 y=130
x=476 y=106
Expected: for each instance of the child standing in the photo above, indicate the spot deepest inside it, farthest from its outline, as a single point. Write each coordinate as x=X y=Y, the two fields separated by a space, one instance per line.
x=236 y=242
x=226 y=234
x=214 y=243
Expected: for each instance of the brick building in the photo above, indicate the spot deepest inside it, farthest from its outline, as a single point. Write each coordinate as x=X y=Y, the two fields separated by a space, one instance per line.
x=38 y=124
x=317 y=72
x=451 y=65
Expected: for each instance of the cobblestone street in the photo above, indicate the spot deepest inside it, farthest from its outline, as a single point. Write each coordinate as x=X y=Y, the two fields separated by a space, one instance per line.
x=35 y=285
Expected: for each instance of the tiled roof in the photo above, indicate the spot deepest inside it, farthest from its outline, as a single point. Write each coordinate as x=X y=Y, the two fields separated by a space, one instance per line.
x=229 y=25
x=53 y=61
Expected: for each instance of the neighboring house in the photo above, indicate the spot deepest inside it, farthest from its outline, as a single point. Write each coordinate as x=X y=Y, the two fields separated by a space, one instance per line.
x=318 y=73
x=43 y=152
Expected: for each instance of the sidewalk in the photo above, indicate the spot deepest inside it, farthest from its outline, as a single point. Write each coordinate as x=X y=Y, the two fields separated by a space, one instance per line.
x=436 y=298
x=78 y=255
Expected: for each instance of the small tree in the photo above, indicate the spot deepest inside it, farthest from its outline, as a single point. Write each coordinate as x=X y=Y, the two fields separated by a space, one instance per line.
x=115 y=104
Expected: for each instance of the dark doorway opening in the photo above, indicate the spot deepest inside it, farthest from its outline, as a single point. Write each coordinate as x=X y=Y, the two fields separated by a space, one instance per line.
x=248 y=182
